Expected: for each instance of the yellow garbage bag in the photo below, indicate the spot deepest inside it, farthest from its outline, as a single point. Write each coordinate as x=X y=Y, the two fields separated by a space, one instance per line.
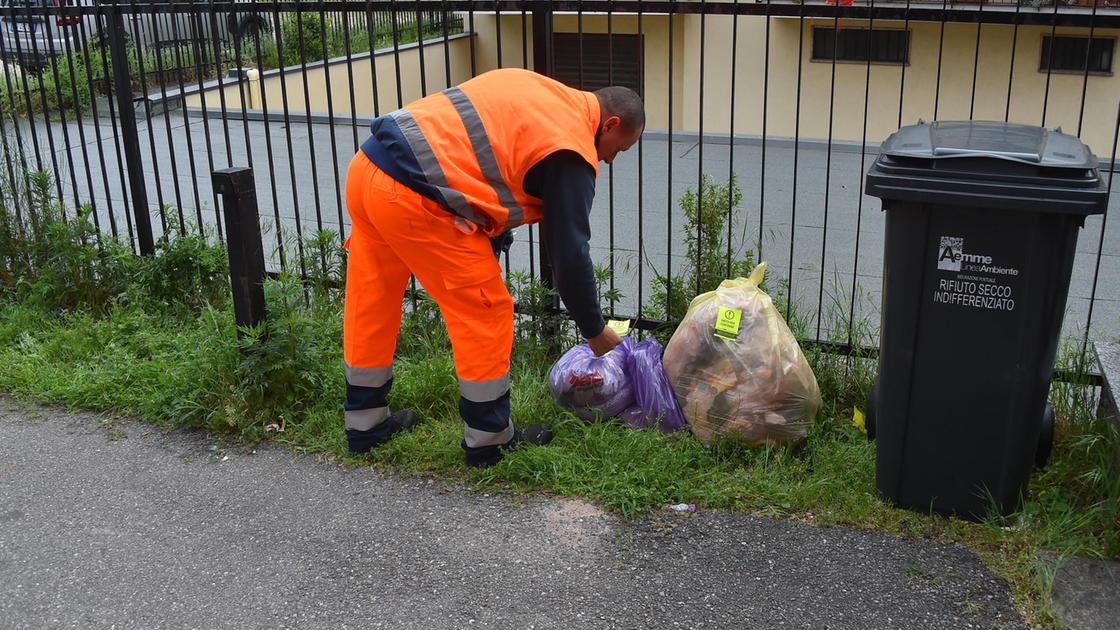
x=736 y=368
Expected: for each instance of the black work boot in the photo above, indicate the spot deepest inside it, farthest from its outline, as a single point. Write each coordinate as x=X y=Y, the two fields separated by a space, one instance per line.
x=364 y=441
x=486 y=456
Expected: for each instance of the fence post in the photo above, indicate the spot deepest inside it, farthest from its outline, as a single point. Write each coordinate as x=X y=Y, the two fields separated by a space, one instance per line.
x=542 y=37
x=243 y=241
x=542 y=64
x=122 y=86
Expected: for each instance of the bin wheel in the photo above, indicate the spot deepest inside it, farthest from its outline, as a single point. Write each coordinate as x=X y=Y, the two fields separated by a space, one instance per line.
x=1045 y=438
x=872 y=407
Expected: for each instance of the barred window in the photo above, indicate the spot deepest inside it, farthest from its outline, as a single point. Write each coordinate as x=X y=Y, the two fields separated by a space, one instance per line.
x=861 y=44
x=1075 y=53
x=625 y=52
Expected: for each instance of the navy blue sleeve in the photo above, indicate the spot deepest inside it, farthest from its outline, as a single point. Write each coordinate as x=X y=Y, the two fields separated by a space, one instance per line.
x=567 y=187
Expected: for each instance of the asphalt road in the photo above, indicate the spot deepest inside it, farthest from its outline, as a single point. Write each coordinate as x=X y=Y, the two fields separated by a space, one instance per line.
x=129 y=526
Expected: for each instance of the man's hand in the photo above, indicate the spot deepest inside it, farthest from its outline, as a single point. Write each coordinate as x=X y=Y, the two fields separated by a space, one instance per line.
x=604 y=342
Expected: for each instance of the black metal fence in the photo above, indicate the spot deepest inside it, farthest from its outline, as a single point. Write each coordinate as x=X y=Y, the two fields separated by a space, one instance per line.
x=770 y=110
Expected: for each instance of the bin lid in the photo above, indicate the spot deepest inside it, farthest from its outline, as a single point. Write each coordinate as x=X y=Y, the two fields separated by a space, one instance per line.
x=989 y=164
x=983 y=139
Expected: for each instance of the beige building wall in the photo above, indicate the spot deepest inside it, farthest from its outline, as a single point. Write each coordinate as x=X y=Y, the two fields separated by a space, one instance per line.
x=516 y=51
x=916 y=84
x=435 y=74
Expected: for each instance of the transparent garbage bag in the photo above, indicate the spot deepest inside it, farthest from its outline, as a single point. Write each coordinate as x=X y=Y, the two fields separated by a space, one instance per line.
x=755 y=383
x=591 y=386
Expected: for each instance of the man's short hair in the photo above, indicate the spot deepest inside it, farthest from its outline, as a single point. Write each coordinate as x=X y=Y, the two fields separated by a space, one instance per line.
x=624 y=103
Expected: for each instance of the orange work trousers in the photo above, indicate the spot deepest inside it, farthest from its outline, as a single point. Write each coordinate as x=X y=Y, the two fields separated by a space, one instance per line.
x=396 y=233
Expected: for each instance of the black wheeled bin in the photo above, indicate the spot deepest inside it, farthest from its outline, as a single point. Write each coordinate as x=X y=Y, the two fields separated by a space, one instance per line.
x=982 y=221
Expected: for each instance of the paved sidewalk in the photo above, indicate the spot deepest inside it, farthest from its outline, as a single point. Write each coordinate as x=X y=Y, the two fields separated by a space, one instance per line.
x=132 y=527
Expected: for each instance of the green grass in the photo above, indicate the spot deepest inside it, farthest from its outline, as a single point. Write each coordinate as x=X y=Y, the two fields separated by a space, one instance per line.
x=90 y=326
x=187 y=370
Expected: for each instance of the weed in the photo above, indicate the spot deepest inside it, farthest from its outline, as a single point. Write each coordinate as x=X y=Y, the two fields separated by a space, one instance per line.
x=708 y=214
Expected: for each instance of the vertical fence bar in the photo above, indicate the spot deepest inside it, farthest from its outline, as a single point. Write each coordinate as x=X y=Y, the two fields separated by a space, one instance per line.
x=529 y=228
x=524 y=35
x=1049 y=62
x=97 y=131
x=419 y=24
x=641 y=170
x=22 y=164
x=10 y=192
x=310 y=133
x=524 y=65
x=828 y=169
x=397 y=53
x=46 y=105
x=167 y=125
x=474 y=52
x=731 y=135
x=976 y=61
x=79 y=114
x=579 y=42
x=1085 y=76
x=266 y=117
x=217 y=49
x=762 y=159
x=498 y=31
x=610 y=167
x=1100 y=241
x=669 y=180
x=27 y=102
x=135 y=19
x=859 y=203
x=902 y=81
x=334 y=141
x=30 y=108
x=445 y=18
x=542 y=64
x=243 y=241
x=940 y=57
x=46 y=110
x=350 y=82
x=201 y=68
x=700 y=156
x=1011 y=70
x=174 y=21
x=123 y=84
x=54 y=61
x=372 y=34
x=291 y=152
x=796 y=154
x=242 y=79
x=1108 y=196
x=115 y=126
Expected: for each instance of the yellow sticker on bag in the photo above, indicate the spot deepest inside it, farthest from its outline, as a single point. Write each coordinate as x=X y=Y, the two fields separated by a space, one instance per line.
x=859 y=420
x=619 y=326
x=727 y=323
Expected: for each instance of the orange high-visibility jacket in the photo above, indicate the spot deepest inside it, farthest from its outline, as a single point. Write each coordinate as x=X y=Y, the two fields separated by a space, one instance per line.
x=469 y=147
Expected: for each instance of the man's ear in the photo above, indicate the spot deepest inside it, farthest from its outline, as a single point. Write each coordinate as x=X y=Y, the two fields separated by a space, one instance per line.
x=611 y=122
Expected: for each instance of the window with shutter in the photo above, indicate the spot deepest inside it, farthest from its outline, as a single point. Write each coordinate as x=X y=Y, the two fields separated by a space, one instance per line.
x=623 y=51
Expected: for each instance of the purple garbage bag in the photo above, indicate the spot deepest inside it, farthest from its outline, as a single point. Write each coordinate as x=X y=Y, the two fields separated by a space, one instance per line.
x=655 y=404
x=591 y=386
